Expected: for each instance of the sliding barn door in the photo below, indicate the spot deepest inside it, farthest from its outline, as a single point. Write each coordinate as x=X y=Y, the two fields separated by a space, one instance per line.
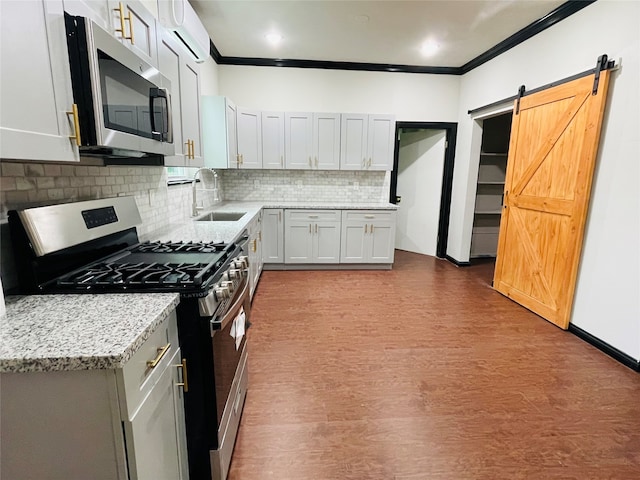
x=552 y=152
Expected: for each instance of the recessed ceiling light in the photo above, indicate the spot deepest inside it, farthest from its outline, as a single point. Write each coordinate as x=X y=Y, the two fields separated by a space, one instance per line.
x=429 y=48
x=273 y=38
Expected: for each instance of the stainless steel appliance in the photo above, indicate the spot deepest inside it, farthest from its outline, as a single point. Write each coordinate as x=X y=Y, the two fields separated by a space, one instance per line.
x=123 y=103
x=92 y=247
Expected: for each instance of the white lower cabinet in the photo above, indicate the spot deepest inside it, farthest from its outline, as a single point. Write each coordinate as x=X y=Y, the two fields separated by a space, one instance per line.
x=273 y=235
x=125 y=424
x=312 y=236
x=368 y=236
x=255 y=252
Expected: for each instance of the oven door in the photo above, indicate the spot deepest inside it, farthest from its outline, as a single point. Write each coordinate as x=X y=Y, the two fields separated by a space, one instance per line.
x=228 y=347
x=123 y=102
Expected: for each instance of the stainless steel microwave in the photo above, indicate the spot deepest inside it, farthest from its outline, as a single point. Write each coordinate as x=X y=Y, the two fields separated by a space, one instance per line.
x=123 y=103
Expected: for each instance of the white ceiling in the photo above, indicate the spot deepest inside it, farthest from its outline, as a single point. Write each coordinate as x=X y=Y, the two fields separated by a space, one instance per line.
x=383 y=32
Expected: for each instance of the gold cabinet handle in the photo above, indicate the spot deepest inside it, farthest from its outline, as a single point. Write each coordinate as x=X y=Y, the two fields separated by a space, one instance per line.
x=185 y=382
x=365 y=228
x=238 y=160
x=255 y=245
x=371 y=228
x=188 y=144
x=309 y=229
x=241 y=159
x=193 y=149
x=369 y=164
x=161 y=353
x=123 y=18
x=76 y=123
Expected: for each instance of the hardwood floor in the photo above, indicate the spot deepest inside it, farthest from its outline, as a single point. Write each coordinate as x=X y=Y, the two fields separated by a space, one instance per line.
x=424 y=372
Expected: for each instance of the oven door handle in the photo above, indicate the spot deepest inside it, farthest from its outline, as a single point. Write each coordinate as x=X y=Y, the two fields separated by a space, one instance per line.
x=233 y=311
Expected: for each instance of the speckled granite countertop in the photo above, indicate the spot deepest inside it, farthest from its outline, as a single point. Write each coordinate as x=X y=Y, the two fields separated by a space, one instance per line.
x=78 y=332
x=230 y=231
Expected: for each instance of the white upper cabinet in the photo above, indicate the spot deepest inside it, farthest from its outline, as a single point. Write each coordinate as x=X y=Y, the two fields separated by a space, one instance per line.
x=326 y=141
x=249 y=132
x=272 y=140
x=129 y=21
x=184 y=75
x=35 y=92
x=381 y=142
x=367 y=142
x=298 y=135
x=135 y=26
x=354 y=141
x=219 y=132
x=190 y=110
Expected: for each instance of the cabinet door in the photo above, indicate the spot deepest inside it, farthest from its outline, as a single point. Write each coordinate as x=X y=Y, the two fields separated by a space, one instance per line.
x=381 y=242
x=326 y=141
x=353 y=245
x=353 y=141
x=297 y=240
x=139 y=29
x=381 y=142
x=156 y=444
x=298 y=135
x=169 y=60
x=249 y=131
x=190 y=109
x=272 y=140
x=35 y=78
x=214 y=131
x=232 y=139
x=326 y=242
x=273 y=235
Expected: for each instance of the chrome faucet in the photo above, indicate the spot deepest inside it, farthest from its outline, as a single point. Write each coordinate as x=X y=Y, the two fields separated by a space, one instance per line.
x=194 y=204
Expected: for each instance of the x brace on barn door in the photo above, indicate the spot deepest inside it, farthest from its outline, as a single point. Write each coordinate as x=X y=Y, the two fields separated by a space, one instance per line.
x=603 y=63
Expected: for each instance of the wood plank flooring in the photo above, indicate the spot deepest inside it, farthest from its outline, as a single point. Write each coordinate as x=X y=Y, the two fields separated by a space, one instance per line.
x=424 y=372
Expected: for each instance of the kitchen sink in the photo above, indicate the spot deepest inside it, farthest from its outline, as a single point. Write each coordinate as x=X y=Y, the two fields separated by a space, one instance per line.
x=221 y=217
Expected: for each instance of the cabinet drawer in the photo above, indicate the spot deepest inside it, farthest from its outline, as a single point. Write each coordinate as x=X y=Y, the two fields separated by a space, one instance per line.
x=368 y=215
x=312 y=215
x=138 y=378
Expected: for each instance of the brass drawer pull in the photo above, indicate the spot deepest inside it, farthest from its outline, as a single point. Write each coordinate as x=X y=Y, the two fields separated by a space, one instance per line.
x=185 y=382
x=161 y=353
x=76 y=124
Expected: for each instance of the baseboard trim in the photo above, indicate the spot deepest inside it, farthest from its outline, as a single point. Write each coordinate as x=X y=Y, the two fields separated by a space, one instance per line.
x=327 y=266
x=457 y=263
x=613 y=352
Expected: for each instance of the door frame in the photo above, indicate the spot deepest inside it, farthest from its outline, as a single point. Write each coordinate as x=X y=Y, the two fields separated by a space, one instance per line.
x=451 y=129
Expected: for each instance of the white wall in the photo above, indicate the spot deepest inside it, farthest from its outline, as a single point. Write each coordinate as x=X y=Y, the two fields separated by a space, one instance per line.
x=607 y=300
x=209 y=77
x=411 y=97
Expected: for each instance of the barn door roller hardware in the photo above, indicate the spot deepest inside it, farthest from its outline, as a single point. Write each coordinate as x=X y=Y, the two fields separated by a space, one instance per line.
x=603 y=63
x=521 y=91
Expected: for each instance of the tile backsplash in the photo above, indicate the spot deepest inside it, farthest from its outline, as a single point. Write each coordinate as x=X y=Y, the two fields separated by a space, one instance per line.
x=306 y=185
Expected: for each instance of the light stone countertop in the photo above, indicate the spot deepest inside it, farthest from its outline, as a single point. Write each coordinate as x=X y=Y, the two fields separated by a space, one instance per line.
x=78 y=331
x=227 y=232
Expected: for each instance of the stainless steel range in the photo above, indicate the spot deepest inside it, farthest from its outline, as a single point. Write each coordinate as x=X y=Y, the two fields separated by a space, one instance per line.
x=93 y=247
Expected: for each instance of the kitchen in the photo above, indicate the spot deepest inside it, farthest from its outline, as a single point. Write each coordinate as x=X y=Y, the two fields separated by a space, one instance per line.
x=440 y=98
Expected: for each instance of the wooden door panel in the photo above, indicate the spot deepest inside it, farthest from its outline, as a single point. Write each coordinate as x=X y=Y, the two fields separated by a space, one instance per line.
x=554 y=139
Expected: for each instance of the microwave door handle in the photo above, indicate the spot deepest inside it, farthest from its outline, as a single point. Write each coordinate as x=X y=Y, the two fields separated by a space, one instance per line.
x=161 y=93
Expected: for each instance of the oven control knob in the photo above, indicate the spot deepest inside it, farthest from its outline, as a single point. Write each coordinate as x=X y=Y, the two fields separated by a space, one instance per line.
x=226 y=277
x=234 y=273
x=222 y=292
x=228 y=285
x=242 y=261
